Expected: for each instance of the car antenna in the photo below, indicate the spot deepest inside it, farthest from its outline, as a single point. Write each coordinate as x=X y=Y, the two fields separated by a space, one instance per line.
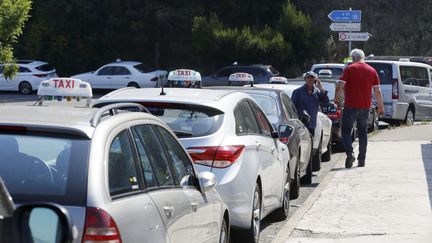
x=162 y=91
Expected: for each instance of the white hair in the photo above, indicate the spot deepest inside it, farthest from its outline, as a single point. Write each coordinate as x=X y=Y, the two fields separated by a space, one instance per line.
x=357 y=55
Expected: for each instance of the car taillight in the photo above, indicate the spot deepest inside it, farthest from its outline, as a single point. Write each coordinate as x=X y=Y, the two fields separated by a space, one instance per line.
x=395 y=89
x=216 y=156
x=100 y=227
x=284 y=140
x=40 y=75
x=154 y=79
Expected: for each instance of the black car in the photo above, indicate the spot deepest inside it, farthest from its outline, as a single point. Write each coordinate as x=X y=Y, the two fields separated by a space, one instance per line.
x=261 y=73
x=280 y=110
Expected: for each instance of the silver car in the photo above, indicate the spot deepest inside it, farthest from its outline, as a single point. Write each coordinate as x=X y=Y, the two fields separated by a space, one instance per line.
x=122 y=175
x=226 y=133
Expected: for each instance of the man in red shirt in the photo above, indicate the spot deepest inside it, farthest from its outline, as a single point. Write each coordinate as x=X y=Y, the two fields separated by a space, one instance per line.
x=358 y=79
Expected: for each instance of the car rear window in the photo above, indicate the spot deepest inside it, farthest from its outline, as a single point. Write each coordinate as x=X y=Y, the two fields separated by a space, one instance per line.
x=143 y=68
x=45 y=68
x=385 y=72
x=187 y=120
x=40 y=167
x=273 y=70
x=335 y=71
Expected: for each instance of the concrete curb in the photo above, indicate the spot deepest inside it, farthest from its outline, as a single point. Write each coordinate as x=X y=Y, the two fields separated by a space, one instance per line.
x=289 y=226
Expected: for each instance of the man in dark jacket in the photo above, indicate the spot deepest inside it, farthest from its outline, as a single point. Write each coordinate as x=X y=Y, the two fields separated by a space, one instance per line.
x=309 y=97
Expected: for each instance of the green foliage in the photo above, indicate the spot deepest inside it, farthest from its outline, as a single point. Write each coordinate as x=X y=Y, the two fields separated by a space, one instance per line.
x=13 y=14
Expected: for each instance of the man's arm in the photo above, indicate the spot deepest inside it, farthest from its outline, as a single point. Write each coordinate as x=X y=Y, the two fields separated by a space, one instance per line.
x=378 y=96
x=339 y=88
x=322 y=95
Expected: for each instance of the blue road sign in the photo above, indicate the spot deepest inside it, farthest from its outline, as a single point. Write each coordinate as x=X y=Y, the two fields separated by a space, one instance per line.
x=345 y=16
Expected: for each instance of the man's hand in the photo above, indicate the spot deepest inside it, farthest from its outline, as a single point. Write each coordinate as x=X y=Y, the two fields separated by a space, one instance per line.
x=319 y=85
x=380 y=110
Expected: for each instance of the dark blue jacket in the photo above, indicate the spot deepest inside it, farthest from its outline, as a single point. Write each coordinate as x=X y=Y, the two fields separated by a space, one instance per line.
x=309 y=102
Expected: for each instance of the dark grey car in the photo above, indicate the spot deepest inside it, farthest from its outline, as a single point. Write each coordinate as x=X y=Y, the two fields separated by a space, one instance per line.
x=280 y=110
x=261 y=73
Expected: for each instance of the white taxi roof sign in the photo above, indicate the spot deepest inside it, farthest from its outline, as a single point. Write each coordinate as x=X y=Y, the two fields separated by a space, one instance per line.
x=241 y=77
x=184 y=75
x=65 y=87
x=278 y=80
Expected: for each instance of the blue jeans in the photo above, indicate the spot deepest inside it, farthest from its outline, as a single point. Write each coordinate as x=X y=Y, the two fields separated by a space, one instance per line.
x=350 y=116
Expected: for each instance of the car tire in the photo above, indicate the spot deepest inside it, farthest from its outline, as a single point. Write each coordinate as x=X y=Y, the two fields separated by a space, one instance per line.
x=410 y=116
x=224 y=233
x=25 y=87
x=307 y=178
x=253 y=233
x=295 y=185
x=281 y=213
x=316 y=161
x=133 y=84
x=326 y=157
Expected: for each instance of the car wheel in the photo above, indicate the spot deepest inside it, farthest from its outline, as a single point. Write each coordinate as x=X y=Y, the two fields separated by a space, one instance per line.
x=282 y=212
x=224 y=235
x=307 y=178
x=253 y=233
x=25 y=87
x=133 y=84
x=295 y=185
x=410 y=116
x=327 y=155
x=316 y=162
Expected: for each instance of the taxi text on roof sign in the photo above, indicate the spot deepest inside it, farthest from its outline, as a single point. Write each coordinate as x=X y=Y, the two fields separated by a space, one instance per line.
x=241 y=77
x=282 y=80
x=184 y=75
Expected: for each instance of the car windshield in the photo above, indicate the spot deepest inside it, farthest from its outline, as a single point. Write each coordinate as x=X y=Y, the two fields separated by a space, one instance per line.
x=40 y=167
x=187 y=120
x=266 y=103
x=143 y=68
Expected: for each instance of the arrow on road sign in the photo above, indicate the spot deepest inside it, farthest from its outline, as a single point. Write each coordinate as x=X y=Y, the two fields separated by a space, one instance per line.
x=345 y=26
x=355 y=36
x=345 y=16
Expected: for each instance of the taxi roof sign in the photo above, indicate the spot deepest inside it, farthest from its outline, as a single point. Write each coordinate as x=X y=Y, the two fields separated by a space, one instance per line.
x=278 y=80
x=64 y=87
x=184 y=75
x=241 y=77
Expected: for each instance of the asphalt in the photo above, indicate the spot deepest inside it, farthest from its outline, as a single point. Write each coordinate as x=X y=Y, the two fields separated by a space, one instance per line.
x=389 y=200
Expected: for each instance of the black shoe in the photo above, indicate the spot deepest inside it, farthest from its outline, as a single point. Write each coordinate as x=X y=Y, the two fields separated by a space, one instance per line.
x=349 y=162
x=361 y=163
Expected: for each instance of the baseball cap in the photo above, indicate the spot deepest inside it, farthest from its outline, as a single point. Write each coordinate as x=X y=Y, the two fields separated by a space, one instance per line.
x=310 y=73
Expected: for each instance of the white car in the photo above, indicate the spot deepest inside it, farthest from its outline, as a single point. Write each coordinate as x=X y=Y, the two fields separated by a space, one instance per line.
x=226 y=133
x=122 y=74
x=335 y=68
x=322 y=142
x=30 y=74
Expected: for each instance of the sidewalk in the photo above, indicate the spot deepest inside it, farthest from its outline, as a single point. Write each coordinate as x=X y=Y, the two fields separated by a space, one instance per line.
x=389 y=200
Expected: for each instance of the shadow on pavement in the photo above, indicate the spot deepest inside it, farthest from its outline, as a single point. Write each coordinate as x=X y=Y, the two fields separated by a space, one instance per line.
x=427 y=161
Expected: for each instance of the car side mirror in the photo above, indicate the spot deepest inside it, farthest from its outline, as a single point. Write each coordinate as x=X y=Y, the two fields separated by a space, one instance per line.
x=207 y=180
x=286 y=131
x=306 y=118
x=43 y=222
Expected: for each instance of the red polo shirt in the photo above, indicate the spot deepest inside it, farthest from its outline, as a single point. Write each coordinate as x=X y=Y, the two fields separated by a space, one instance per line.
x=359 y=79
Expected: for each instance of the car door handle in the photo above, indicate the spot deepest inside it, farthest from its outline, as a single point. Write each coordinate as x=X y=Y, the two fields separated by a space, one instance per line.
x=127 y=77
x=411 y=91
x=169 y=210
x=108 y=77
x=194 y=207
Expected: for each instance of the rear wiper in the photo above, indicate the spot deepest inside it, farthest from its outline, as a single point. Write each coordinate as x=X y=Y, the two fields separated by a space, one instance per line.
x=182 y=134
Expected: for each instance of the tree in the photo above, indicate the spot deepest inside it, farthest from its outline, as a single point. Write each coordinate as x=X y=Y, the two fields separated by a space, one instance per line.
x=13 y=14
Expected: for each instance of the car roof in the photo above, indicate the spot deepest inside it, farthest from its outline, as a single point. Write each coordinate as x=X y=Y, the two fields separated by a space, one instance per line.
x=202 y=97
x=127 y=63
x=248 y=89
x=418 y=64
x=72 y=119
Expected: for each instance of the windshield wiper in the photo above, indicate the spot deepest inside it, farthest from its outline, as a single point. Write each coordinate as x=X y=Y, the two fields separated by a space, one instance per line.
x=182 y=134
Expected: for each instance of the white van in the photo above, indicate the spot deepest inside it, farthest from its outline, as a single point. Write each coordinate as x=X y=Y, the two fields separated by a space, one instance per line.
x=406 y=89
